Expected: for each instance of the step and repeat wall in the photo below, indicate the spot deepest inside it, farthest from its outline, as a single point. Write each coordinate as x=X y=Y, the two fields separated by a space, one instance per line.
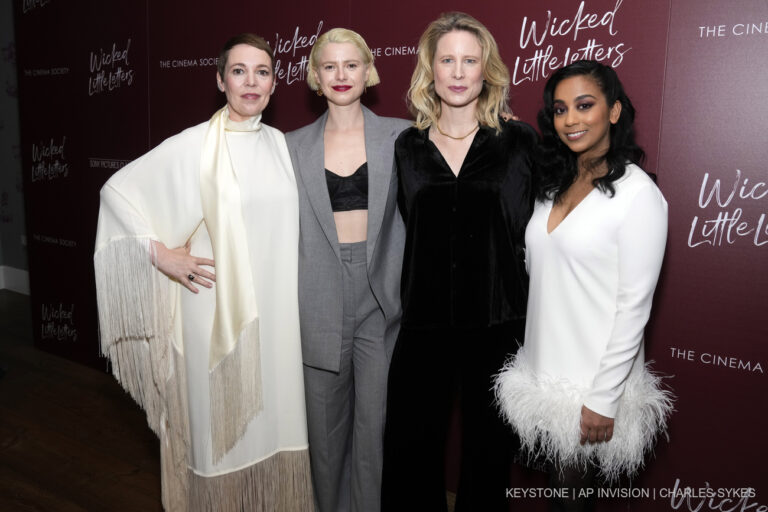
x=101 y=83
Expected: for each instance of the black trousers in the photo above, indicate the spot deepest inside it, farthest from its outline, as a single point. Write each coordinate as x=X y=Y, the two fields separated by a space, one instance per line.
x=430 y=370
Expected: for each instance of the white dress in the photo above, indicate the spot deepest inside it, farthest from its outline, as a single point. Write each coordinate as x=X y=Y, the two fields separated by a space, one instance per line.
x=591 y=285
x=157 y=334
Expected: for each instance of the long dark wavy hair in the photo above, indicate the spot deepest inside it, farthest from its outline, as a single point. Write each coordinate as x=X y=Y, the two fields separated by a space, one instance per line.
x=558 y=167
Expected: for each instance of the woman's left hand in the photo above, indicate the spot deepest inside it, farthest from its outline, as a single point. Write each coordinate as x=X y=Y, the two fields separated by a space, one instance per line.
x=595 y=427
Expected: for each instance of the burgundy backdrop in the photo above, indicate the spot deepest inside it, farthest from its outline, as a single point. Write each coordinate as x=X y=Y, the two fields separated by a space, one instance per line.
x=103 y=82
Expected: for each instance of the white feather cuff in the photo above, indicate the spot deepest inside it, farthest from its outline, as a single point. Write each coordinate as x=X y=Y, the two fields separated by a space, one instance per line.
x=546 y=413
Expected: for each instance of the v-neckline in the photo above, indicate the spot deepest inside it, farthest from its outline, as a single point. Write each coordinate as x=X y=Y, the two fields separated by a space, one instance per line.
x=552 y=207
x=445 y=162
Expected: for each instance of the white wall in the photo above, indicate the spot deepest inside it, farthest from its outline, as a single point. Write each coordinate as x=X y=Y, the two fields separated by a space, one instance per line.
x=13 y=251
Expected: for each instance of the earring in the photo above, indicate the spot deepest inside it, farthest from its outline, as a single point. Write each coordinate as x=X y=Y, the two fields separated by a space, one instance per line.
x=319 y=92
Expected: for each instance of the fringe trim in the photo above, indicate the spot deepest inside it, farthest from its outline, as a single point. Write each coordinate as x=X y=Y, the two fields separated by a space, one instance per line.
x=174 y=442
x=135 y=325
x=236 y=394
x=129 y=295
x=135 y=316
x=281 y=483
x=132 y=298
x=546 y=415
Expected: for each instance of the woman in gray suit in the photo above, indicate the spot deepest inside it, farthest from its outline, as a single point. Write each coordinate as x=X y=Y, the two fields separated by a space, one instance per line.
x=350 y=257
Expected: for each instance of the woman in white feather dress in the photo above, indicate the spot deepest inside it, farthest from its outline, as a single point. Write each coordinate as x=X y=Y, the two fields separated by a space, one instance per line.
x=579 y=393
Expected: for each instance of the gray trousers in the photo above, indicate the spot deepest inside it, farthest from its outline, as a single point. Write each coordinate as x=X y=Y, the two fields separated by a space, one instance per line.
x=346 y=410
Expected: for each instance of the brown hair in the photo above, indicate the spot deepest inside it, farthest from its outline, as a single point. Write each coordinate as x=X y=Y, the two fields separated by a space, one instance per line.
x=257 y=42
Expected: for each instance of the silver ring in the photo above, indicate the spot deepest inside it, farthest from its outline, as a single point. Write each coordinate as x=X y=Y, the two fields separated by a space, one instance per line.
x=191 y=277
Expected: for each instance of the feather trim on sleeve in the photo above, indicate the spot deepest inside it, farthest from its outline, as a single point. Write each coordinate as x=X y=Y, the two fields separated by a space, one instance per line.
x=546 y=412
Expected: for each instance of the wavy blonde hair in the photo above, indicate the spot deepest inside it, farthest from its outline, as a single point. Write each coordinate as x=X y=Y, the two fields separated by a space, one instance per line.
x=422 y=100
x=340 y=35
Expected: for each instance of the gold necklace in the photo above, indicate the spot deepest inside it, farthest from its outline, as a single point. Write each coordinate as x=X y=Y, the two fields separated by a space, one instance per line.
x=437 y=125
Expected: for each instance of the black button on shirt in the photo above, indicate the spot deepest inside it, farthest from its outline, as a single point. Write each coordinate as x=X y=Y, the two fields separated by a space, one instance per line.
x=464 y=251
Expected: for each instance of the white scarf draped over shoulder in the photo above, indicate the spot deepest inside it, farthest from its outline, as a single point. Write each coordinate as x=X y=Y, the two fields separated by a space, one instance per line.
x=150 y=199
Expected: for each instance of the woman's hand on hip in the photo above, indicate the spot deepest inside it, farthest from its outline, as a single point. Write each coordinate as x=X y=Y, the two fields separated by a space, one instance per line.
x=180 y=265
x=595 y=428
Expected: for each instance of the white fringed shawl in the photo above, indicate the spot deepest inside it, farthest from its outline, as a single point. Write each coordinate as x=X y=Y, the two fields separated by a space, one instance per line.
x=134 y=308
x=158 y=197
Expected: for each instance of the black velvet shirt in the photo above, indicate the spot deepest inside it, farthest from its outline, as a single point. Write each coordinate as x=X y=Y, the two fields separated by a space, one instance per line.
x=464 y=249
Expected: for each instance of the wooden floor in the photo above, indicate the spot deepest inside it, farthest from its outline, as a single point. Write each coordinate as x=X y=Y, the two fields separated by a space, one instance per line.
x=70 y=438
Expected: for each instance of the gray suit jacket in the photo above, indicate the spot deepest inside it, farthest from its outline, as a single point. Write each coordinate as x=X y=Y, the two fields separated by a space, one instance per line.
x=320 y=281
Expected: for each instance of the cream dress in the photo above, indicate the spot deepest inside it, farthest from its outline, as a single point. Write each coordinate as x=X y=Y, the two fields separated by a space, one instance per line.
x=157 y=334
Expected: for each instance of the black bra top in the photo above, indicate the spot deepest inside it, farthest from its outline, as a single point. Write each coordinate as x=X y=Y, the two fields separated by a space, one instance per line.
x=348 y=192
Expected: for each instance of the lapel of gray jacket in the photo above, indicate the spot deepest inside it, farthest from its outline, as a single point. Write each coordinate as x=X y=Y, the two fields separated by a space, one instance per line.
x=379 y=155
x=312 y=165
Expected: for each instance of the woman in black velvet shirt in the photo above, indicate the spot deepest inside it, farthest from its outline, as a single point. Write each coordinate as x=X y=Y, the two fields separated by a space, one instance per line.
x=465 y=182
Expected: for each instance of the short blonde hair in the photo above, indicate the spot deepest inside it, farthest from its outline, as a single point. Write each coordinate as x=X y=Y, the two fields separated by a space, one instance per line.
x=341 y=35
x=422 y=100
